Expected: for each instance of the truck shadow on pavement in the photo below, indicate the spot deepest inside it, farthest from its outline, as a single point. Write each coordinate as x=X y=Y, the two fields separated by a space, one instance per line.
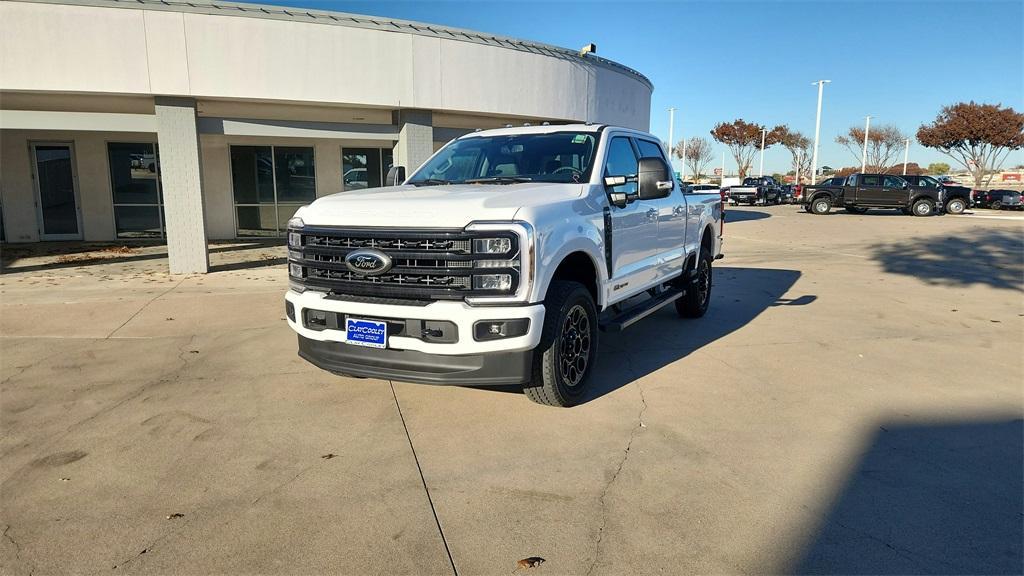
x=934 y=498
x=993 y=257
x=738 y=297
x=735 y=214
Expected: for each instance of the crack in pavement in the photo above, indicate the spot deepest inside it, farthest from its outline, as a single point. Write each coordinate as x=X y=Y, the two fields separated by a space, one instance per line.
x=146 y=305
x=622 y=463
x=17 y=549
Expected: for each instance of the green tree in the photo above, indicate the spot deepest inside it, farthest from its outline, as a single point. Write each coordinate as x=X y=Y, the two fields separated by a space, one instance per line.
x=938 y=168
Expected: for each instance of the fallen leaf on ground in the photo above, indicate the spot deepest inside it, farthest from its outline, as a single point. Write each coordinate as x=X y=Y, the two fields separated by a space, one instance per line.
x=175 y=515
x=328 y=456
x=531 y=562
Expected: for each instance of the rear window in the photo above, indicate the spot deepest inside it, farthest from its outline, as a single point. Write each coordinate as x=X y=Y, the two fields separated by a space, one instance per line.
x=751 y=181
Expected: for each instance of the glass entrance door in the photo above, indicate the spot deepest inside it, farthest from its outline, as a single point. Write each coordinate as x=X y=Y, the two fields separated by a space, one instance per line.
x=56 y=198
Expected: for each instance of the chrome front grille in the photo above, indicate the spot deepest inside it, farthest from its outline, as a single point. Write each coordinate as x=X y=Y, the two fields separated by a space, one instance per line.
x=426 y=264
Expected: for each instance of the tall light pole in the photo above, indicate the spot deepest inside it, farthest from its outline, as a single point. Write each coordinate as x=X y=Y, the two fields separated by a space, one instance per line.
x=864 y=153
x=817 y=130
x=671 y=130
x=906 y=155
x=760 y=171
x=721 y=181
x=799 y=155
x=682 y=152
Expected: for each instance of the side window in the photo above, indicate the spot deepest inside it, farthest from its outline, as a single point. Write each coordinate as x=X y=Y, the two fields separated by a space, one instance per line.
x=870 y=180
x=649 y=149
x=893 y=182
x=621 y=161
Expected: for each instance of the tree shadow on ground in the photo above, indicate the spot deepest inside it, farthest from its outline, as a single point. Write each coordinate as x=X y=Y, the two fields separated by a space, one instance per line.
x=943 y=498
x=993 y=257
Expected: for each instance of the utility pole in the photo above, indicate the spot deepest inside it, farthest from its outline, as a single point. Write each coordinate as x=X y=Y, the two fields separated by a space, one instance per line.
x=906 y=154
x=671 y=129
x=817 y=130
x=864 y=154
x=760 y=171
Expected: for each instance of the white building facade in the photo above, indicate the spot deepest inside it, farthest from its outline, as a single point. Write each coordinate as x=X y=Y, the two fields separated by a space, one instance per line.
x=208 y=120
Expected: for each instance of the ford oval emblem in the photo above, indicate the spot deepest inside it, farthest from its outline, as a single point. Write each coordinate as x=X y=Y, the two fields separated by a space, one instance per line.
x=368 y=262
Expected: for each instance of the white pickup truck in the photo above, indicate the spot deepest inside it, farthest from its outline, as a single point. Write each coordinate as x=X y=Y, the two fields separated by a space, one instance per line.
x=499 y=260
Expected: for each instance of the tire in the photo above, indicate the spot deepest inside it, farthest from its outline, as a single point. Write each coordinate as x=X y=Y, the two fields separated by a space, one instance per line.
x=564 y=359
x=922 y=207
x=694 y=303
x=807 y=207
x=821 y=205
x=996 y=205
x=855 y=209
x=955 y=206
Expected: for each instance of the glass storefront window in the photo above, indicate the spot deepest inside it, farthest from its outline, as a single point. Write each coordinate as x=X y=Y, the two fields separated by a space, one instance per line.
x=365 y=167
x=137 y=193
x=269 y=183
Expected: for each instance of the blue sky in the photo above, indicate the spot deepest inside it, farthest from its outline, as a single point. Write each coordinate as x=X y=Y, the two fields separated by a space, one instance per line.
x=900 y=62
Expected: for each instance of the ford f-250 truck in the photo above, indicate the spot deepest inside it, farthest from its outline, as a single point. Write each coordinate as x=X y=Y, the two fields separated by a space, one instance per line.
x=763 y=189
x=860 y=192
x=498 y=260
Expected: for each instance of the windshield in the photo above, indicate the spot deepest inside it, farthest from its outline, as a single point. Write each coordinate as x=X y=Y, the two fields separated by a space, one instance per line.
x=555 y=157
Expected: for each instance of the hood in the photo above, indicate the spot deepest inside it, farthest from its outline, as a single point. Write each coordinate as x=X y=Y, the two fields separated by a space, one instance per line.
x=452 y=206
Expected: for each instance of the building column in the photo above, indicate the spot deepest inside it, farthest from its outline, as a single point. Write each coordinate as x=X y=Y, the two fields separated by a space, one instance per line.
x=182 y=182
x=415 y=138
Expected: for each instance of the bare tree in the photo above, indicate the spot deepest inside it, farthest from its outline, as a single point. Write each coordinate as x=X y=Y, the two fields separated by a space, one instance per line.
x=979 y=136
x=744 y=140
x=698 y=155
x=885 y=142
x=799 y=147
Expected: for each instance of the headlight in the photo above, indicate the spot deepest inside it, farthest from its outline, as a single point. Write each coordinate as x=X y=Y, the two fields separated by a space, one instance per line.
x=492 y=282
x=492 y=245
x=294 y=239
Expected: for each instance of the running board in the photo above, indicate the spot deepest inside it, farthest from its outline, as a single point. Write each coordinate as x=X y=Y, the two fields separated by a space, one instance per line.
x=636 y=313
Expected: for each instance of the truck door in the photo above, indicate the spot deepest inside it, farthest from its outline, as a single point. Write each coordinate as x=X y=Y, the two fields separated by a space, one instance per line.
x=895 y=191
x=634 y=238
x=870 y=191
x=672 y=216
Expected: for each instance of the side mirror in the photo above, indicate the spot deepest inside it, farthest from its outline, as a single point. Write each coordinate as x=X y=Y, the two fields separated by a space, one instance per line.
x=905 y=185
x=654 y=179
x=395 y=177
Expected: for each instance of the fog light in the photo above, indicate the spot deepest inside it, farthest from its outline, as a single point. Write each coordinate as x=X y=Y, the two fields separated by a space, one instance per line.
x=492 y=282
x=496 y=329
x=295 y=270
x=492 y=245
x=289 y=310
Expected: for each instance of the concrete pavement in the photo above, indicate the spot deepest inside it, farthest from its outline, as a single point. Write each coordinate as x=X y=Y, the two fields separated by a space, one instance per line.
x=852 y=403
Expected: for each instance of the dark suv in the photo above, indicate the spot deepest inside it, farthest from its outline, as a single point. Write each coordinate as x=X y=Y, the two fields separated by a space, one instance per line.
x=998 y=199
x=956 y=198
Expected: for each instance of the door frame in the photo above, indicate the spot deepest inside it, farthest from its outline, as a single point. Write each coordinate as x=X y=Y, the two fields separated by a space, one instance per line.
x=38 y=193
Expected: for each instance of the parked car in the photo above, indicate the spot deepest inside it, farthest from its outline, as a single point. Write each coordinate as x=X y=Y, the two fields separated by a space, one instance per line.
x=798 y=193
x=998 y=199
x=499 y=259
x=956 y=198
x=760 y=190
x=863 y=191
x=787 y=194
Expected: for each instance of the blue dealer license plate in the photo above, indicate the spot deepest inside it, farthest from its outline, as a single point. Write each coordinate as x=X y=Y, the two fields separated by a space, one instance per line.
x=366 y=333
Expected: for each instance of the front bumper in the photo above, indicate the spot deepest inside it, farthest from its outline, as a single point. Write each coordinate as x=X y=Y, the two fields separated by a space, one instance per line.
x=489 y=369
x=462 y=315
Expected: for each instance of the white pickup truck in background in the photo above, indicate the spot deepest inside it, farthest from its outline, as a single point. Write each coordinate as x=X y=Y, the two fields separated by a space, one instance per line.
x=499 y=260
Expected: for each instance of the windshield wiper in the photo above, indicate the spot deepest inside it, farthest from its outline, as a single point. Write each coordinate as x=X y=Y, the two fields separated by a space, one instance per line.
x=498 y=180
x=430 y=182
